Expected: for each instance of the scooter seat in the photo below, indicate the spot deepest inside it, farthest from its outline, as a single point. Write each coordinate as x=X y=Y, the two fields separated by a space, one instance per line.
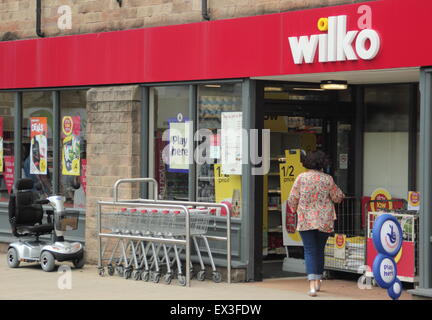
x=37 y=229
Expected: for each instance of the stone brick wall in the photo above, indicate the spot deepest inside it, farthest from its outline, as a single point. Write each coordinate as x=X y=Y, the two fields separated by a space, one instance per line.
x=17 y=17
x=113 y=137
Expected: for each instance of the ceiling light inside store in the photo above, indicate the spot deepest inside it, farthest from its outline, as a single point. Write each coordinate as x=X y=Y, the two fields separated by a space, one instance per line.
x=213 y=85
x=308 y=89
x=334 y=84
x=273 y=89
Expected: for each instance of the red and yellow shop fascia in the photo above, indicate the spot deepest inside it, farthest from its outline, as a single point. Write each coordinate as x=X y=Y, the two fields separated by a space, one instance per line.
x=375 y=35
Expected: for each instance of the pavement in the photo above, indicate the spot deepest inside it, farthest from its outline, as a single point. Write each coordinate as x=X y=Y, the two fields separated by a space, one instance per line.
x=30 y=282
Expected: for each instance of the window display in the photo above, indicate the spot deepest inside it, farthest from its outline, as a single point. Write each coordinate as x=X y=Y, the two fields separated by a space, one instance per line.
x=170 y=106
x=73 y=126
x=7 y=110
x=37 y=140
x=215 y=100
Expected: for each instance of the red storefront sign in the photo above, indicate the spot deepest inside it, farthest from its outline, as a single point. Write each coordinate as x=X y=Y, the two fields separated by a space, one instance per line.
x=232 y=48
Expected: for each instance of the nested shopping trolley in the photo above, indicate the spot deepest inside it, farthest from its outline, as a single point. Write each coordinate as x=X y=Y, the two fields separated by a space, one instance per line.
x=150 y=239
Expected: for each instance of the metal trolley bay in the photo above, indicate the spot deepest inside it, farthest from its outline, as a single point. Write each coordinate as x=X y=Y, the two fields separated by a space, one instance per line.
x=150 y=239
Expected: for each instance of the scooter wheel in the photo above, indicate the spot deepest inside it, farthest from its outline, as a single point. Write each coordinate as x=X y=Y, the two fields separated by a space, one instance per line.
x=181 y=280
x=217 y=277
x=136 y=274
x=110 y=270
x=47 y=261
x=167 y=278
x=101 y=272
x=12 y=258
x=201 y=275
x=145 y=276
x=79 y=263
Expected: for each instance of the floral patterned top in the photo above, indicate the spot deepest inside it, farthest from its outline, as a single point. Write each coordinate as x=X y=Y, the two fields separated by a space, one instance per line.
x=312 y=197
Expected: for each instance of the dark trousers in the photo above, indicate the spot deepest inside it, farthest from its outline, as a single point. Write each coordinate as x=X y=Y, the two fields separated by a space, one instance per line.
x=314 y=242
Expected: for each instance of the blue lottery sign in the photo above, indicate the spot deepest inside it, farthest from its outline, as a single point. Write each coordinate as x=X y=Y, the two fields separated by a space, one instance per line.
x=384 y=270
x=387 y=235
x=387 y=238
x=395 y=290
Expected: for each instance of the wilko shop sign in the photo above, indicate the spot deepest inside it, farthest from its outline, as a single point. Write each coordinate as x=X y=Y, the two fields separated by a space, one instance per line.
x=335 y=43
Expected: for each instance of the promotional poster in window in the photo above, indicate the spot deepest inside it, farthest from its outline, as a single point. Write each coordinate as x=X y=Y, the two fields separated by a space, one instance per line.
x=39 y=145
x=71 y=146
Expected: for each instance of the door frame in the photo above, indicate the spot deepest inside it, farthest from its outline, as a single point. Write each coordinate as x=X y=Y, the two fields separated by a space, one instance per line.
x=264 y=107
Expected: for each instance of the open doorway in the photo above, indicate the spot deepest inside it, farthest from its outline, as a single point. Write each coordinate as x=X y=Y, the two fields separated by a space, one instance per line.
x=301 y=116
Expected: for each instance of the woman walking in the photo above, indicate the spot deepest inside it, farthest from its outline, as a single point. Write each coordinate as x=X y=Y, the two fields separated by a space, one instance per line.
x=312 y=197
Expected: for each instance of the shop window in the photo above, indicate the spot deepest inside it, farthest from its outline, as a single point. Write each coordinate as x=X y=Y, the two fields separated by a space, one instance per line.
x=6 y=145
x=170 y=110
x=37 y=140
x=215 y=102
x=73 y=158
x=386 y=139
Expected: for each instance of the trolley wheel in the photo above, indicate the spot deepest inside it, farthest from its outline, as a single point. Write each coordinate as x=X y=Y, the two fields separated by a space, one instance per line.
x=12 y=258
x=120 y=270
x=110 y=270
x=181 y=280
x=136 y=274
x=47 y=261
x=201 y=275
x=327 y=275
x=217 y=276
x=127 y=273
x=167 y=278
x=101 y=271
x=145 y=276
x=156 y=277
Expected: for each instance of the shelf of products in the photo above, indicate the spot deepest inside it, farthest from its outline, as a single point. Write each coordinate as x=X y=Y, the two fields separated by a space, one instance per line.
x=274 y=209
x=274 y=191
x=276 y=229
x=280 y=250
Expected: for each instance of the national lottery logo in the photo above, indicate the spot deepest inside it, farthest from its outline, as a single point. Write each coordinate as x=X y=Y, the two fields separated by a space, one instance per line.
x=390 y=237
x=387 y=239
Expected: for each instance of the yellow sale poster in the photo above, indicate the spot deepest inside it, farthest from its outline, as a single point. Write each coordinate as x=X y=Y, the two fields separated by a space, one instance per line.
x=228 y=188
x=288 y=173
x=71 y=150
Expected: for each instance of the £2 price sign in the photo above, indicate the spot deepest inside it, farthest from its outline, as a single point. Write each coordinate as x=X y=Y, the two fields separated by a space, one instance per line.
x=387 y=238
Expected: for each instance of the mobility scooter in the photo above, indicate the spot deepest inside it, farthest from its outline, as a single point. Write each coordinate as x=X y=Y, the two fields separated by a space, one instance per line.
x=26 y=215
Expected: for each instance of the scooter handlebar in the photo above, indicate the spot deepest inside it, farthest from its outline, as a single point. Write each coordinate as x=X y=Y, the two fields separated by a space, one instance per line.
x=42 y=201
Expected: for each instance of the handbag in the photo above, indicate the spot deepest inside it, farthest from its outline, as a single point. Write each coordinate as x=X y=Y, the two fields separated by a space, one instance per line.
x=290 y=219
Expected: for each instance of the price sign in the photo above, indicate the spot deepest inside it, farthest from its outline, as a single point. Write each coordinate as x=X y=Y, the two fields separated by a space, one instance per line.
x=288 y=172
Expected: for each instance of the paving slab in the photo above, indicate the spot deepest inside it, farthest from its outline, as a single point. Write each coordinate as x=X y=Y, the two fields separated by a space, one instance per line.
x=30 y=282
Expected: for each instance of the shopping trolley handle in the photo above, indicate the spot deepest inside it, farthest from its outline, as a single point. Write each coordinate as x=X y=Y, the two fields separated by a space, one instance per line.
x=131 y=180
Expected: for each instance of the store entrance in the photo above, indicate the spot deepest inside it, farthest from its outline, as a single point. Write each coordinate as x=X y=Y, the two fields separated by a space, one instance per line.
x=307 y=120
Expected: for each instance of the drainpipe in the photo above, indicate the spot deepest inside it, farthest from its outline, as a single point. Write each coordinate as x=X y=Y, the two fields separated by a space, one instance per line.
x=38 y=19
x=204 y=9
